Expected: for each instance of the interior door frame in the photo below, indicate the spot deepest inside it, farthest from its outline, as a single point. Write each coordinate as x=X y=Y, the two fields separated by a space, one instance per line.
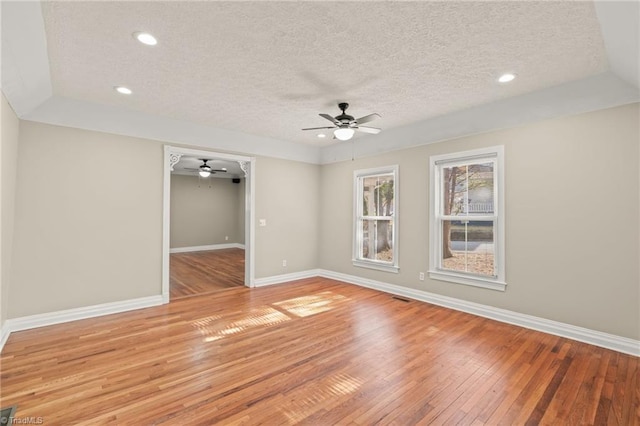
x=172 y=155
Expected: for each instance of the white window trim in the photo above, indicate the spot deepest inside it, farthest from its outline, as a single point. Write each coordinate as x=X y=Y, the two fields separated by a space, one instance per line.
x=368 y=263
x=435 y=231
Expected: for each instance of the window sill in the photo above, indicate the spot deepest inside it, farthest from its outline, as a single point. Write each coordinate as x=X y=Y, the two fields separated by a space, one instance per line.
x=376 y=265
x=491 y=284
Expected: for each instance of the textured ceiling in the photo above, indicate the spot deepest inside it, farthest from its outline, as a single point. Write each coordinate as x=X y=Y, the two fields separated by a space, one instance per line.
x=269 y=68
x=189 y=166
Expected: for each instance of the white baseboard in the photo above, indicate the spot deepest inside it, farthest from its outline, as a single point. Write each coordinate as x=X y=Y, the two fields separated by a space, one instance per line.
x=593 y=337
x=4 y=335
x=205 y=248
x=51 y=318
x=278 y=279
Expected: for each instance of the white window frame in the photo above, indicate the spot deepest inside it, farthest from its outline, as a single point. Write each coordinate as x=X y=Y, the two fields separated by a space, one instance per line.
x=358 y=176
x=495 y=154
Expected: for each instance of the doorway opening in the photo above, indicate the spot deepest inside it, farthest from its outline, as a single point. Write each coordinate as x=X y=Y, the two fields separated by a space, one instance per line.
x=208 y=241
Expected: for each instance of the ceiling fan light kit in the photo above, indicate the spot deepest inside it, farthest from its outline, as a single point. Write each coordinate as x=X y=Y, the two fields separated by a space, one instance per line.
x=345 y=125
x=343 y=133
x=205 y=170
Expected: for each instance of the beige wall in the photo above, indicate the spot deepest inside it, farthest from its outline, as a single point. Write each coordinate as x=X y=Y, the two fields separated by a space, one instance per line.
x=8 y=165
x=88 y=226
x=571 y=219
x=204 y=211
x=287 y=197
x=89 y=217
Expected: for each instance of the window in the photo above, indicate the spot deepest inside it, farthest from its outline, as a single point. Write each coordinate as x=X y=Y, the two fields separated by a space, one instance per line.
x=467 y=218
x=376 y=224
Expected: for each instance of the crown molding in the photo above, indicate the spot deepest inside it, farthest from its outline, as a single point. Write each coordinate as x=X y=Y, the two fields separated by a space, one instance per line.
x=594 y=93
x=67 y=112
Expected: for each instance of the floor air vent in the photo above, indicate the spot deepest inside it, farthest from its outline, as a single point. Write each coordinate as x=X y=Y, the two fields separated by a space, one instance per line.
x=402 y=299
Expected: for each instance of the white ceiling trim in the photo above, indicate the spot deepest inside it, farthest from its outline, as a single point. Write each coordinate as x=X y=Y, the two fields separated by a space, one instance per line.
x=109 y=119
x=590 y=94
x=26 y=78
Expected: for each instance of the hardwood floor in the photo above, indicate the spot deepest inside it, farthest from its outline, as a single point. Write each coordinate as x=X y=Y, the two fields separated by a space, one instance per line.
x=205 y=271
x=315 y=352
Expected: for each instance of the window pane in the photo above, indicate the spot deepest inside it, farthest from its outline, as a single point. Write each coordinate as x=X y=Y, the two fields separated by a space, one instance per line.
x=467 y=189
x=468 y=246
x=377 y=240
x=377 y=195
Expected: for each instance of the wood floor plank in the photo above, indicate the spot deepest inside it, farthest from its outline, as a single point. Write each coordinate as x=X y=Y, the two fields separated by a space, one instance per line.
x=317 y=352
x=203 y=272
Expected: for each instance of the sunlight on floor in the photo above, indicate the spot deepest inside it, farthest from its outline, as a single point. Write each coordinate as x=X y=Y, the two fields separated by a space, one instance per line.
x=310 y=305
x=344 y=384
x=204 y=322
x=306 y=401
x=215 y=327
x=257 y=317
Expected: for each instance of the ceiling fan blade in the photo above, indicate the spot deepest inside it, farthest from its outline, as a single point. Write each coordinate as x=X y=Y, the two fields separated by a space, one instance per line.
x=364 y=129
x=330 y=118
x=219 y=170
x=319 y=128
x=367 y=118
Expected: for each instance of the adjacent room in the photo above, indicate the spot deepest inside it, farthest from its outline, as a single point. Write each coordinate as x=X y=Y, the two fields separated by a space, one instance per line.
x=206 y=226
x=268 y=212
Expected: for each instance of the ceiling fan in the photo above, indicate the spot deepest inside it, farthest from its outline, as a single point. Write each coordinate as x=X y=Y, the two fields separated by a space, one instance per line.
x=345 y=125
x=206 y=170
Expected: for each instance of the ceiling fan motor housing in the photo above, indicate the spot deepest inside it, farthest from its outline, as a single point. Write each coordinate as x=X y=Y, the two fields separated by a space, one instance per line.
x=344 y=118
x=205 y=167
x=347 y=122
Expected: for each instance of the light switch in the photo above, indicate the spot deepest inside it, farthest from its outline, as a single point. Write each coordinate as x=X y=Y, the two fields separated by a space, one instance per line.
x=263 y=222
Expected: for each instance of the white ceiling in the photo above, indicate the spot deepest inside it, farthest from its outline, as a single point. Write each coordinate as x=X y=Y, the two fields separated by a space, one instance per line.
x=247 y=76
x=189 y=166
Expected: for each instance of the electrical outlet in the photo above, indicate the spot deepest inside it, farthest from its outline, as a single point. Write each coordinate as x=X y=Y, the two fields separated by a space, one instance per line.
x=284 y=263
x=262 y=222
x=226 y=238
x=421 y=276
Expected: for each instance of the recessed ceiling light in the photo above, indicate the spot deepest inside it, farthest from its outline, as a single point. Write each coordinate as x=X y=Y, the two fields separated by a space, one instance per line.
x=123 y=90
x=145 y=38
x=505 y=78
x=322 y=135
